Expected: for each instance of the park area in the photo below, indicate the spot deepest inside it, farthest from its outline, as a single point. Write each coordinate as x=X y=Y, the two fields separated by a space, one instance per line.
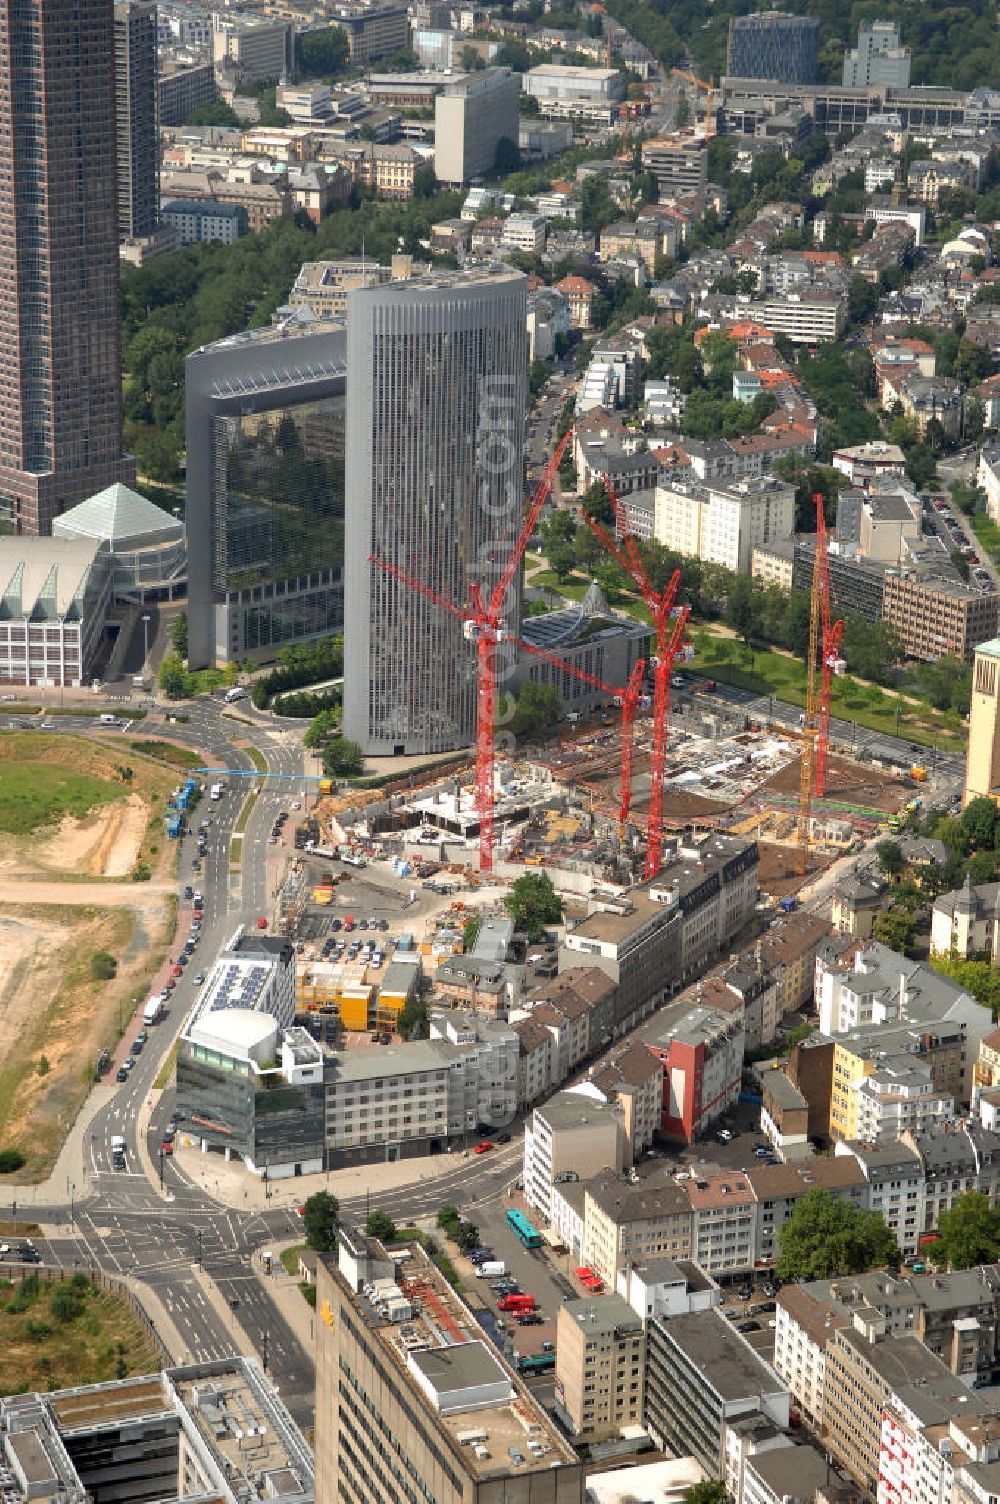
x=59 y=1333
x=87 y=903
x=767 y=672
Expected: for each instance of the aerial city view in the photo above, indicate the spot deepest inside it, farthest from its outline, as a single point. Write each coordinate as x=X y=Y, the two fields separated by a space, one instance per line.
x=499 y=752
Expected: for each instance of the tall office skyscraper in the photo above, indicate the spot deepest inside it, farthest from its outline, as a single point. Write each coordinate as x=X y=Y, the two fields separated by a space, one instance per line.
x=436 y=392
x=135 y=103
x=60 y=355
x=774 y=45
x=265 y=489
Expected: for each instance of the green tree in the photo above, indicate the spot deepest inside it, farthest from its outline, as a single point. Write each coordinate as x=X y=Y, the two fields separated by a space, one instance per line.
x=979 y=821
x=103 y=966
x=319 y=1218
x=424 y=181
x=969 y=1232
x=380 y=1225
x=708 y=1491
x=977 y=977
x=890 y=857
x=213 y=112
x=342 y=758
x=895 y=928
x=597 y=504
x=538 y=710
x=562 y=559
x=470 y=931
x=321 y=728
x=414 y=1022
x=825 y=1236
x=538 y=374
x=179 y=635
x=533 y=903
x=741 y=613
x=322 y=54
x=65 y=1303
x=10 y=1160
x=682 y=114
x=448 y=1216
x=466 y=1235
x=172 y=679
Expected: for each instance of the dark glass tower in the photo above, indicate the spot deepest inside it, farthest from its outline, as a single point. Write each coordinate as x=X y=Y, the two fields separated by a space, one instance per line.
x=60 y=357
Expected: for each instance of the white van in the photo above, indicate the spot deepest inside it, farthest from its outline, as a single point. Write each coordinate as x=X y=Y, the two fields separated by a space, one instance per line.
x=117 y=1144
x=234 y=694
x=108 y=719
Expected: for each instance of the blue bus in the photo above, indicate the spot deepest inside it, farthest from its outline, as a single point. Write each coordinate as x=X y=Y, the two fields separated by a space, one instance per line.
x=525 y=1230
x=540 y=1363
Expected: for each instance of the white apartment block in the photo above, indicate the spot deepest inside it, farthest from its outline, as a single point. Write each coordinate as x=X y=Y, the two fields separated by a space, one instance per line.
x=724 y=524
x=800 y=1339
x=988 y=478
x=524 y=232
x=573 y=1133
x=805 y=317
x=678 y=516
x=899 y=1097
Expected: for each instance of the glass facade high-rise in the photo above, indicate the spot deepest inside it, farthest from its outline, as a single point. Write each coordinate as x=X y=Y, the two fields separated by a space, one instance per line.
x=436 y=393
x=265 y=492
x=60 y=320
x=135 y=104
x=774 y=45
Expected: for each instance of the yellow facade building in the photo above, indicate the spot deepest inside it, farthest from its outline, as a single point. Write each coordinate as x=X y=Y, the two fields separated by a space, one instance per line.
x=982 y=766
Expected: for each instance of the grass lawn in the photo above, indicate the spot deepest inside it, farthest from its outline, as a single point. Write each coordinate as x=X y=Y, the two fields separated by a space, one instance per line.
x=290 y=1258
x=769 y=673
x=988 y=534
x=165 y=1074
x=178 y=757
x=33 y=794
x=57 y=1334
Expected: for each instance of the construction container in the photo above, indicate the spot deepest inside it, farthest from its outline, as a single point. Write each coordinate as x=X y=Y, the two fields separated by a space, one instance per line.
x=354 y=1008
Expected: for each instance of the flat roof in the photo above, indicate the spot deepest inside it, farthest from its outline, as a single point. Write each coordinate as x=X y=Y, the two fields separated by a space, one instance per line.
x=728 y=1362
x=603 y=1315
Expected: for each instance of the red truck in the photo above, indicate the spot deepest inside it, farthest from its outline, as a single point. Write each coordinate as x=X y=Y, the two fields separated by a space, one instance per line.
x=517 y=1303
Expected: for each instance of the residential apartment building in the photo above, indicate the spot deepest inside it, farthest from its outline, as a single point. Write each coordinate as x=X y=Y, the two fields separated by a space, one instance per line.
x=373 y=31
x=393 y=1416
x=253 y=49
x=573 y=1134
x=625 y=1223
x=600 y=1362
x=804 y=1325
x=937 y=615
x=939 y=1056
x=589 y=95
x=702 y=1376
x=632 y=1078
x=723 y=1222
x=195 y=220
x=679 y=163
x=777 y=1189
x=967 y=920
x=806 y=317
x=894 y=1174
x=861 y=1375
x=472 y=115
x=956 y=1159
x=679 y=509
x=182 y=90
x=743 y=517
x=701 y=1051
x=879 y=57
x=135 y=108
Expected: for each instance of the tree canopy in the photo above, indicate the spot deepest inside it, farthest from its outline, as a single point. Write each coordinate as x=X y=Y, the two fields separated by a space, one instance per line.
x=533 y=903
x=826 y=1236
x=319 y=1217
x=969 y=1232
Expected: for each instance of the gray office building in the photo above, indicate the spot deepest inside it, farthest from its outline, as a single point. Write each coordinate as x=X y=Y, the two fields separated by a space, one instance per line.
x=135 y=108
x=435 y=436
x=265 y=489
x=774 y=45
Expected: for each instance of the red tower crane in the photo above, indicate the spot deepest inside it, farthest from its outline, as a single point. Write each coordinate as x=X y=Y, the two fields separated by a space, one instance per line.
x=483 y=623
x=831 y=662
x=631 y=699
x=669 y=622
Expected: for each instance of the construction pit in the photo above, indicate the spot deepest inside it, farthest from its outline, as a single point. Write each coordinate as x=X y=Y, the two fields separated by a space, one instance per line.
x=558 y=806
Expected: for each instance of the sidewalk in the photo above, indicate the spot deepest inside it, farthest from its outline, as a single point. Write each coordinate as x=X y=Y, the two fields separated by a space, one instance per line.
x=235 y=1186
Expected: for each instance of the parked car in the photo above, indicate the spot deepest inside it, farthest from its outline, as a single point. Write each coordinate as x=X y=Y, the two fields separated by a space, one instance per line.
x=121 y=1074
x=484 y=1147
x=503 y=1138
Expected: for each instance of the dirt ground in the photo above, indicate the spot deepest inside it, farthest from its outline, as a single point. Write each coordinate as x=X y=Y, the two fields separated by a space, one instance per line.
x=778 y=873
x=847 y=783
x=59 y=903
x=104 y=844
